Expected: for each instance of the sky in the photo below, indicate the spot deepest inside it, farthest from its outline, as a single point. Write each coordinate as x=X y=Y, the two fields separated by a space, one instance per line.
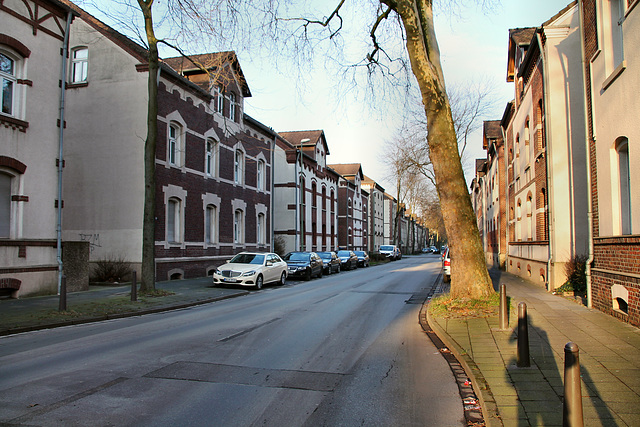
x=473 y=47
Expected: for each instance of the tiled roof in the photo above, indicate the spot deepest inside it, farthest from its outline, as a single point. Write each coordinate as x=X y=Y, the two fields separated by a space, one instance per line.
x=296 y=137
x=347 y=169
x=522 y=36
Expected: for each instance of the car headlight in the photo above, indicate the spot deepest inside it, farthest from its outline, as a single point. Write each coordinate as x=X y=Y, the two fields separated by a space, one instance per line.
x=249 y=273
x=218 y=272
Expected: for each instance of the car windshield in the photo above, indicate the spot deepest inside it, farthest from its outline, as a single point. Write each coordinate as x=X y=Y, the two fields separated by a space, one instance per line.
x=344 y=253
x=325 y=255
x=359 y=253
x=386 y=248
x=248 y=259
x=297 y=256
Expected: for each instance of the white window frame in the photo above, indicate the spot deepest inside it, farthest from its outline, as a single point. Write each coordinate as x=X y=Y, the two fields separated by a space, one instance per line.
x=238 y=166
x=6 y=216
x=261 y=229
x=174 y=221
x=79 y=64
x=173 y=143
x=11 y=77
x=260 y=175
x=211 y=225
x=622 y=180
x=232 y=106
x=219 y=99
x=238 y=227
x=211 y=158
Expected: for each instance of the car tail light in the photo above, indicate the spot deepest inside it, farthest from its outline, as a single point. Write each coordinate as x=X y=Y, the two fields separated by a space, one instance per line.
x=447 y=263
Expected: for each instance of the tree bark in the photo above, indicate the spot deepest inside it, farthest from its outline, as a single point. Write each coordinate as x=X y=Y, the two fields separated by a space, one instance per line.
x=148 y=276
x=469 y=275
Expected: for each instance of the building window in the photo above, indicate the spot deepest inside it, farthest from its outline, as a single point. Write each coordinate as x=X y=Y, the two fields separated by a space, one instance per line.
x=238 y=226
x=175 y=144
x=79 y=65
x=624 y=193
x=232 y=106
x=261 y=230
x=211 y=158
x=211 y=225
x=5 y=205
x=174 y=213
x=238 y=168
x=8 y=80
x=526 y=143
x=260 y=181
x=219 y=99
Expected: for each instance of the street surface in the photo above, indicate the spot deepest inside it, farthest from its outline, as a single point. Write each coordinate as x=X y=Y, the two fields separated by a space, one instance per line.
x=346 y=349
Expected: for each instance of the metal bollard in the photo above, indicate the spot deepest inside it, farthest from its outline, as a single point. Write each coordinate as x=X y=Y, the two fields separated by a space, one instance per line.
x=62 y=303
x=572 y=406
x=504 y=319
x=134 y=287
x=523 y=337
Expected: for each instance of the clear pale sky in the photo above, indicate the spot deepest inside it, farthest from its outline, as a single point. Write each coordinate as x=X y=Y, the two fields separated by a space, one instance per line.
x=472 y=46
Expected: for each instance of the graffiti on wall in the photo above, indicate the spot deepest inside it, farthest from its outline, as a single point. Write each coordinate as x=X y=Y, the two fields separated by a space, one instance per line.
x=93 y=239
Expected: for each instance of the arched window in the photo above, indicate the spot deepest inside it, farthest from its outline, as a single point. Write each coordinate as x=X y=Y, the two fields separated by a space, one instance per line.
x=211 y=225
x=238 y=167
x=526 y=142
x=540 y=120
x=79 y=65
x=174 y=220
x=238 y=226
x=624 y=185
x=314 y=195
x=530 y=232
x=211 y=157
x=543 y=206
x=519 y=221
x=219 y=96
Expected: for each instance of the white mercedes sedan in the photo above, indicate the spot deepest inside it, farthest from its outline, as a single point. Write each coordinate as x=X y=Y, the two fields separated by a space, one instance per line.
x=251 y=269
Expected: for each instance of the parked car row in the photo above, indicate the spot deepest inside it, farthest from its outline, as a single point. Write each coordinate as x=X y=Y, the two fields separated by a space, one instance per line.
x=256 y=269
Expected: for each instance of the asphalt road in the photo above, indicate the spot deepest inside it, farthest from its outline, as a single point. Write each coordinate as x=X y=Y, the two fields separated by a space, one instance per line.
x=346 y=349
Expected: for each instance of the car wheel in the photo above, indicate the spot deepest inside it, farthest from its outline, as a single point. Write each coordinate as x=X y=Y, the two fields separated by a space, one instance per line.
x=259 y=282
x=320 y=274
x=283 y=279
x=329 y=271
x=446 y=278
x=308 y=274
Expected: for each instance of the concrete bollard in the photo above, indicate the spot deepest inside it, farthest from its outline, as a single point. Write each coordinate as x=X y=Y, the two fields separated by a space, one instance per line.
x=523 y=337
x=504 y=319
x=134 y=287
x=572 y=406
x=62 y=303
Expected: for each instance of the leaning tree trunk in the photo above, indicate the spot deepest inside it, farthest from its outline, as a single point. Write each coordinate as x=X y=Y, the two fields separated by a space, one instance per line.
x=469 y=275
x=148 y=279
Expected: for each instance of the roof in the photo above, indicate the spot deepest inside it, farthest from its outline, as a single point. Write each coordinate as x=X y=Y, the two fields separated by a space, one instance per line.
x=191 y=65
x=348 y=169
x=518 y=38
x=491 y=130
x=305 y=138
x=372 y=183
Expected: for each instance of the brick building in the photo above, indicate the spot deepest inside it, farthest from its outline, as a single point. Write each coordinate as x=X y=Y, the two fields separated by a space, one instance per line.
x=375 y=219
x=352 y=207
x=610 y=45
x=213 y=162
x=545 y=157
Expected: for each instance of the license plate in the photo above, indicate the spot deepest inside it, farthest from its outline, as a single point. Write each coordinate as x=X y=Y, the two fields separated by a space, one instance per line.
x=226 y=279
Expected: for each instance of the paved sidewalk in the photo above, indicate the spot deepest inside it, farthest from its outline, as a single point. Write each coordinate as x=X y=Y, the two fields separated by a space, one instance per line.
x=512 y=396
x=105 y=302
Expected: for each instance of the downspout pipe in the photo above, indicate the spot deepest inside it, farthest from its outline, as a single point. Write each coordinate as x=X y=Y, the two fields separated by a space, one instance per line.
x=63 y=87
x=550 y=211
x=588 y=91
x=298 y=213
x=272 y=222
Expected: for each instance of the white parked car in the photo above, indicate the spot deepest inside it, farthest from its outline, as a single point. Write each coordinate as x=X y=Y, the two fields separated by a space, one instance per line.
x=446 y=266
x=251 y=269
x=391 y=251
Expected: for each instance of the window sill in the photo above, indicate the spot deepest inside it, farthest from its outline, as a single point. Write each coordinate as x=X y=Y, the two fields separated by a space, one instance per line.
x=614 y=75
x=14 y=123
x=77 y=85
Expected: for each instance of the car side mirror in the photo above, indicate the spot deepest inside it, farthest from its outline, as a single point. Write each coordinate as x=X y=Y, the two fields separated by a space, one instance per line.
x=269 y=263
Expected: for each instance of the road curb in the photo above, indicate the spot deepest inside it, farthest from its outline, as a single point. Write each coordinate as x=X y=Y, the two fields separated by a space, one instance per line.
x=102 y=318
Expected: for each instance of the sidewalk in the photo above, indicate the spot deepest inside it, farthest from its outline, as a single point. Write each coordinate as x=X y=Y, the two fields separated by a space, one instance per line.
x=105 y=302
x=511 y=396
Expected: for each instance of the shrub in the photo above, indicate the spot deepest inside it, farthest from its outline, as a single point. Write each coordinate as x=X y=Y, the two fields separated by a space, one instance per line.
x=575 y=271
x=112 y=269
x=279 y=245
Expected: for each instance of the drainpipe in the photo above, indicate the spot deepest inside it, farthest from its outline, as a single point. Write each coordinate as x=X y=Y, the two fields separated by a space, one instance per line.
x=550 y=211
x=63 y=87
x=297 y=244
x=506 y=192
x=588 y=91
x=272 y=222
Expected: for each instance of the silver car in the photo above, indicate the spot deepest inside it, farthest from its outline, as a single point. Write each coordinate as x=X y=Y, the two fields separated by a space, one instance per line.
x=251 y=269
